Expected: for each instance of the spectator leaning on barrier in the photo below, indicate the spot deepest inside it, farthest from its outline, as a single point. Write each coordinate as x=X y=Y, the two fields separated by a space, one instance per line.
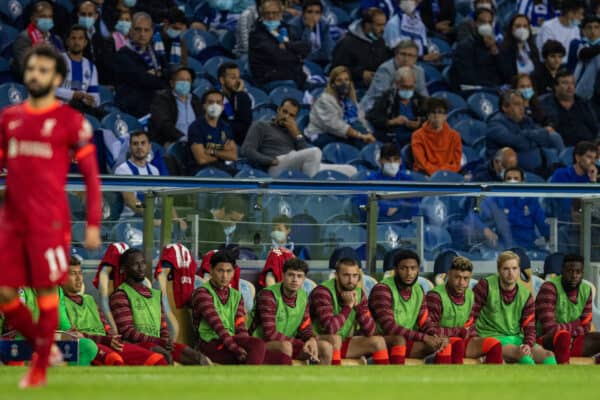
x=336 y=115
x=279 y=145
x=405 y=55
x=174 y=110
x=398 y=111
x=436 y=146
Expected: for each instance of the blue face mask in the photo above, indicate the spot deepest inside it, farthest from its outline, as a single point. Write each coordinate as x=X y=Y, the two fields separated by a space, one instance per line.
x=123 y=26
x=173 y=33
x=595 y=41
x=372 y=36
x=129 y=3
x=406 y=94
x=527 y=93
x=229 y=230
x=574 y=23
x=183 y=88
x=86 y=22
x=272 y=25
x=44 y=24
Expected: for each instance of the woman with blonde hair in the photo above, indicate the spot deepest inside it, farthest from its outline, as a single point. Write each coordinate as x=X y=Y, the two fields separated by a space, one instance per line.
x=336 y=115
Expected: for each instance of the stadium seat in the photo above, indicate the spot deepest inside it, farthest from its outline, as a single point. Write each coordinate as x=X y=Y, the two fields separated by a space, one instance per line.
x=330 y=175
x=121 y=124
x=303 y=121
x=211 y=67
x=436 y=239
x=128 y=232
x=434 y=210
x=388 y=236
x=11 y=94
x=457 y=115
x=211 y=172
x=416 y=176
x=8 y=35
x=553 y=265
x=112 y=205
x=264 y=113
x=530 y=160
x=566 y=156
x=446 y=176
x=336 y=17
x=370 y=153
x=248 y=292
x=93 y=122
x=484 y=104
x=306 y=234
x=227 y=39
x=176 y=156
x=107 y=96
x=442 y=45
x=293 y=174
x=340 y=153
x=281 y=93
x=5 y=71
x=202 y=45
x=368 y=283
x=201 y=86
x=309 y=285
x=470 y=155
x=12 y=11
x=472 y=132
x=76 y=206
x=455 y=102
x=251 y=173
x=258 y=97
x=432 y=74
x=313 y=68
x=530 y=177
x=362 y=174
x=196 y=66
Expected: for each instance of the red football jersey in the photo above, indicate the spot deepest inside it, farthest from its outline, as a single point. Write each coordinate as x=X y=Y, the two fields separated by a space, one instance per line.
x=274 y=264
x=37 y=147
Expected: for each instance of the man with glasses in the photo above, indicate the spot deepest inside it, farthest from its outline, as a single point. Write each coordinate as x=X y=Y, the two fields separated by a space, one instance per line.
x=436 y=146
x=405 y=55
x=398 y=111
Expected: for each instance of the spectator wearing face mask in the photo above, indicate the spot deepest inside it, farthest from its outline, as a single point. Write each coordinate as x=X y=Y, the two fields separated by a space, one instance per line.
x=494 y=170
x=97 y=50
x=436 y=146
x=121 y=29
x=280 y=252
x=167 y=42
x=476 y=60
x=399 y=111
x=112 y=10
x=565 y=27
x=468 y=29
x=518 y=54
x=210 y=139
x=524 y=84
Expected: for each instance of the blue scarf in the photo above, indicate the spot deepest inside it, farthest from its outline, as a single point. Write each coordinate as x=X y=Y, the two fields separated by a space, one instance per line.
x=148 y=56
x=350 y=110
x=159 y=48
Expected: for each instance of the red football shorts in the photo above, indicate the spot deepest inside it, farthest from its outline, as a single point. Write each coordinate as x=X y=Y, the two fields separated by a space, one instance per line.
x=36 y=260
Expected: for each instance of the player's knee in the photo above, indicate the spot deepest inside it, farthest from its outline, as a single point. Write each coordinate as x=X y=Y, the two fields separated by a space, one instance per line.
x=325 y=349
x=377 y=343
x=7 y=294
x=287 y=348
x=335 y=340
x=397 y=341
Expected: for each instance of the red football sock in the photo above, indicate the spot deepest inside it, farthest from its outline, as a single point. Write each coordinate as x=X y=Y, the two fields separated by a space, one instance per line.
x=398 y=355
x=107 y=356
x=493 y=351
x=444 y=356
x=277 y=358
x=458 y=350
x=562 y=347
x=336 y=357
x=381 y=357
x=47 y=323
x=18 y=316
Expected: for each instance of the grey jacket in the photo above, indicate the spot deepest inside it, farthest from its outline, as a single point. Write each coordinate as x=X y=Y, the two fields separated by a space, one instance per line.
x=585 y=76
x=244 y=26
x=327 y=116
x=265 y=141
x=384 y=79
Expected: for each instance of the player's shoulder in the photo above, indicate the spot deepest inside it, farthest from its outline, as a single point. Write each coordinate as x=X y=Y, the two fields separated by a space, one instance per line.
x=11 y=111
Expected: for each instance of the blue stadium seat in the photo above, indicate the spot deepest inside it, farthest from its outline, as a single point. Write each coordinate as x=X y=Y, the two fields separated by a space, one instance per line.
x=319 y=206
x=248 y=292
x=264 y=113
x=107 y=96
x=303 y=122
x=455 y=102
x=177 y=154
x=484 y=104
x=121 y=123
x=211 y=172
x=436 y=239
x=5 y=71
x=8 y=35
x=202 y=45
x=306 y=234
x=337 y=17
x=553 y=264
x=251 y=173
x=112 y=205
x=454 y=116
x=530 y=177
x=258 y=97
x=309 y=285
x=407 y=157
x=370 y=154
x=76 y=206
x=227 y=39
x=314 y=68
x=11 y=94
x=471 y=155
x=211 y=67
x=368 y=283
x=446 y=176
x=196 y=66
x=78 y=232
x=12 y=11
x=416 y=176
x=128 y=232
x=201 y=85
x=566 y=156
x=93 y=121
x=345 y=234
x=329 y=175
x=472 y=132
x=432 y=74
x=289 y=174
x=434 y=210
x=530 y=160
x=340 y=153
x=275 y=204
x=278 y=94
x=388 y=236
x=442 y=45
x=363 y=175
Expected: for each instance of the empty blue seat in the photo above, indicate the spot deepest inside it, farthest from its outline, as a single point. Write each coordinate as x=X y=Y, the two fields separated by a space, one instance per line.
x=128 y=232
x=195 y=66
x=12 y=11
x=416 y=176
x=93 y=121
x=446 y=176
x=8 y=35
x=106 y=95
x=472 y=132
x=178 y=153
x=201 y=45
x=340 y=153
x=211 y=172
x=566 y=156
x=281 y=93
x=530 y=160
x=251 y=173
x=455 y=102
x=227 y=39
x=201 y=85
x=434 y=210
x=11 y=94
x=370 y=153
x=329 y=175
x=454 y=116
x=470 y=155
x=337 y=17
x=211 y=67
x=442 y=45
x=290 y=174
x=306 y=233
x=263 y=113
x=432 y=74
x=112 y=205
x=388 y=236
x=363 y=175
x=258 y=97
x=407 y=157
x=553 y=264
x=484 y=104
x=313 y=68
x=530 y=177
x=121 y=123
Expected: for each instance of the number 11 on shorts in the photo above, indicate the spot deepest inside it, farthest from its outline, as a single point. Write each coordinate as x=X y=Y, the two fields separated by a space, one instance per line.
x=57 y=262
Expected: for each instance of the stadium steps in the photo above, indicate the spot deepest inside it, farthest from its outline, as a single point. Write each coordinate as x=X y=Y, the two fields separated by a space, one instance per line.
x=582 y=361
x=353 y=362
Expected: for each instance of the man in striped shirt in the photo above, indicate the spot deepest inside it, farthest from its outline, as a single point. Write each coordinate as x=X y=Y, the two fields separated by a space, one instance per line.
x=400 y=311
x=449 y=307
x=563 y=309
x=139 y=315
x=340 y=313
x=282 y=317
x=504 y=309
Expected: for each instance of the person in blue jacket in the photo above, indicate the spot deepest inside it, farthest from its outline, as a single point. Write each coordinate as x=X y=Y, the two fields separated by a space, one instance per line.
x=312 y=28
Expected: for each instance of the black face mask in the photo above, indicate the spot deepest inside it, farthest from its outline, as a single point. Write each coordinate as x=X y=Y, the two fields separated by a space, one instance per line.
x=342 y=90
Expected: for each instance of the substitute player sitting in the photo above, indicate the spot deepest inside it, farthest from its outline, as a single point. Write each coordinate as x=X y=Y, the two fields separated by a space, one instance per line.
x=504 y=309
x=449 y=307
x=85 y=317
x=563 y=309
x=341 y=316
x=38 y=140
x=400 y=311
x=140 y=317
x=282 y=317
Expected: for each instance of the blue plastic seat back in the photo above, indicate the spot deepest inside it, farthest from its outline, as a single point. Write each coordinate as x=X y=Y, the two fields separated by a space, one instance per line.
x=446 y=176
x=472 y=132
x=329 y=175
x=201 y=85
x=566 y=156
x=122 y=124
x=370 y=153
x=201 y=45
x=211 y=67
x=293 y=174
x=212 y=173
x=258 y=97
x=11 y=94
x=281 y=93
x=455 y=101
x=484 y=104
x=340 y=153
x=264 y=113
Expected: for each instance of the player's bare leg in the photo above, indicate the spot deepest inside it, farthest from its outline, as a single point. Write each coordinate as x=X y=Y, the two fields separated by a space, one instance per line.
x=397 y=346
x=17 y=314
x=281 y=346
x=488 y=347
x=591 y=344
x=542 y=356
x=190 y=356
x=336 y=345
x=325 y=352
x=375 y=345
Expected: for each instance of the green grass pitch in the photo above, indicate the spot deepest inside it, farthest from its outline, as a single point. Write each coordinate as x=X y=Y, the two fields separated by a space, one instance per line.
x=307 y=383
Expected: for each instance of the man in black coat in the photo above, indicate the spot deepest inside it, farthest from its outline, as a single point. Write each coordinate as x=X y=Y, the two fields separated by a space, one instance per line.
x=363 y=49
x=272 y=55
x=140 y=73
x=238 y=105
x=99 y=50
x=174 y=109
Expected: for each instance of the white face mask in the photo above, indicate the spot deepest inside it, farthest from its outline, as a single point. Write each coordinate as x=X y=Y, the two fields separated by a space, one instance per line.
x=521 y=34
x=485 y=30
x=391 y=169
x=214 y=110
x=278 y=237
x=512 y=180
x=408 y=6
